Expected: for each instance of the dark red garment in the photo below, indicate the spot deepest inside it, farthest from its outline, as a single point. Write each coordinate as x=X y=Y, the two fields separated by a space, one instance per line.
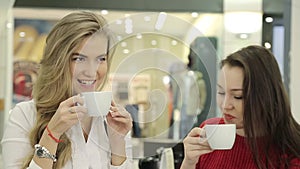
x=239 y=157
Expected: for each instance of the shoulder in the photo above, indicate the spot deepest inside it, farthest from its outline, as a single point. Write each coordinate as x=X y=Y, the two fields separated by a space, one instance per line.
x=23 y=113
x=26 y=104
x=27 y=107
x=216 y=120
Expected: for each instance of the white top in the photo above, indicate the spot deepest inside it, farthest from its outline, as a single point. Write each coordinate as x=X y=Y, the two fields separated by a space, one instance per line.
x=93 y=154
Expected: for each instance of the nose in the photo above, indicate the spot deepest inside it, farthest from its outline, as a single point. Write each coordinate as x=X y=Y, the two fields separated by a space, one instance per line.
x=91 y=69
x=227 y=103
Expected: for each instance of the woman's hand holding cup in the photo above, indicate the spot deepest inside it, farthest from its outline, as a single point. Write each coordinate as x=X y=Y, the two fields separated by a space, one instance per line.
x=68 y=113
x=195 y=145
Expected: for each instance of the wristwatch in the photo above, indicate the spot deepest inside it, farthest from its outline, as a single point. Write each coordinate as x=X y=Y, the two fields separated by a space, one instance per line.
x=42 y=152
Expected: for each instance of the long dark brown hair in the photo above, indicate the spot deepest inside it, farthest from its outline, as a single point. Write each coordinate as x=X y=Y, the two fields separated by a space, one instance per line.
x=272 y=133
x=54 y=83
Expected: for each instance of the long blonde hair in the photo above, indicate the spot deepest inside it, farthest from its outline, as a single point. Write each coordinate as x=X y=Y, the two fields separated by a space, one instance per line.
x=54 y=82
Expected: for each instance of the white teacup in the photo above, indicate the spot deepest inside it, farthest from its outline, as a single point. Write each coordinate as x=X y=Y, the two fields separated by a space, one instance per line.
x=220 y=136
x=97 y=103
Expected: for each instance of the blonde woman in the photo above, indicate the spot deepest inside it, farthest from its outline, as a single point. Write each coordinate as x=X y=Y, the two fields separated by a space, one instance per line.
x=54 y=130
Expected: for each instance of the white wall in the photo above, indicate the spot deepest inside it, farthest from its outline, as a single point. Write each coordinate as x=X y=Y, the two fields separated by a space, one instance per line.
x=295 y=59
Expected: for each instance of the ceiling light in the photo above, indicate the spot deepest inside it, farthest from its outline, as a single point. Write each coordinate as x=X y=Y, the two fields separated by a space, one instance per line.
x=194 y=14
x=139 y=36
x=160 y=20
x=22 y=34
x=126 y=51
x=128 y=26
x=174 y=42
x=268 y=45
x=166 y=80
x=9 y=25
x=104 y=12
x=153 y=42
x=243 y=36
x=269 y=19
x=123 y=44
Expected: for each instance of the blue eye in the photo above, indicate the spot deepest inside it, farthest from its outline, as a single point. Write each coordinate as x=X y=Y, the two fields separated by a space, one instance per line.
x=102 y=59
x=78 y=59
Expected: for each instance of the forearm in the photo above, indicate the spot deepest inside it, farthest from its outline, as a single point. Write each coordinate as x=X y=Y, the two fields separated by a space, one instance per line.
x=118 y=153
x=47 y=142
x=117 y=160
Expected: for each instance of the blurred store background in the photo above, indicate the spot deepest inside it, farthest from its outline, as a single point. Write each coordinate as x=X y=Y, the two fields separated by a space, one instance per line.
x=158 y=43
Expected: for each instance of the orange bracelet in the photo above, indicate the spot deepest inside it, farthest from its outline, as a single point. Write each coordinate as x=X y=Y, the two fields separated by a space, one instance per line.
x=50 y=134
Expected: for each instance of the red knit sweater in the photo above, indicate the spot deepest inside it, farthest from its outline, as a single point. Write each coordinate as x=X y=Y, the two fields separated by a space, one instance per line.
x=239 y=157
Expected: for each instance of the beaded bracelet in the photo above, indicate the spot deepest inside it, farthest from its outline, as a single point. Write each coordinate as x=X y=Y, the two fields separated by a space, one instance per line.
x=53 y=138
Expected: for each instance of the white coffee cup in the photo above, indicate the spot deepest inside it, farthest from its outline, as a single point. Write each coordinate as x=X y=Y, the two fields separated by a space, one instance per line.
x=97 y=103
x=220 y=136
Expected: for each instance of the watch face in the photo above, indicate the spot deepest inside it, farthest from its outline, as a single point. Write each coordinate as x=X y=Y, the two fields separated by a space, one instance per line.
x=40 y=152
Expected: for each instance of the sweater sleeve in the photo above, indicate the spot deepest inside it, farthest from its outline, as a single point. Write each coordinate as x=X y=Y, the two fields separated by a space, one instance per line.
x=295 y=163
x=15 y=142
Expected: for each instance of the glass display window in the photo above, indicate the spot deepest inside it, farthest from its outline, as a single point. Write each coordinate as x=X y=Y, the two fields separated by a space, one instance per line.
x=28 y=45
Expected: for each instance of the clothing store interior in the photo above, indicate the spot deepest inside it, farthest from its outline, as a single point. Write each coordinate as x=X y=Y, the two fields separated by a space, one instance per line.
x=160 y=72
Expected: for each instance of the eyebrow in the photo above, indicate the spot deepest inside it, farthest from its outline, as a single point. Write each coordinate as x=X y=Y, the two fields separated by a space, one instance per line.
x=82 y=55
x=230 y=89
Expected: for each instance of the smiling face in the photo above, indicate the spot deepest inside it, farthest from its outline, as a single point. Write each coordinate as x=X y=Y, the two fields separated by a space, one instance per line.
x=230 y=95
x=89 y=64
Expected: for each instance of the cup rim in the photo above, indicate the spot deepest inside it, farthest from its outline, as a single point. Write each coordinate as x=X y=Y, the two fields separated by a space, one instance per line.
x=219 y=125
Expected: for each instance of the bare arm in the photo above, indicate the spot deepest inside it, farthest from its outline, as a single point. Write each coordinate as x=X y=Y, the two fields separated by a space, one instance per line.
x=119 y=124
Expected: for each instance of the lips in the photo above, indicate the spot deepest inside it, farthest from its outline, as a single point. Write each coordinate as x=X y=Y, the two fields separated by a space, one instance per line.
x=228 y=116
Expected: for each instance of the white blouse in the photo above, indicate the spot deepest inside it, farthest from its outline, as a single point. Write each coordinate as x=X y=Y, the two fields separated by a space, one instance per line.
x=93 y=154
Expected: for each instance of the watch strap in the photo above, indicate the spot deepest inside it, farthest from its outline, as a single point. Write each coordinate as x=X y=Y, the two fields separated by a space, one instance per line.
x=43 y=152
